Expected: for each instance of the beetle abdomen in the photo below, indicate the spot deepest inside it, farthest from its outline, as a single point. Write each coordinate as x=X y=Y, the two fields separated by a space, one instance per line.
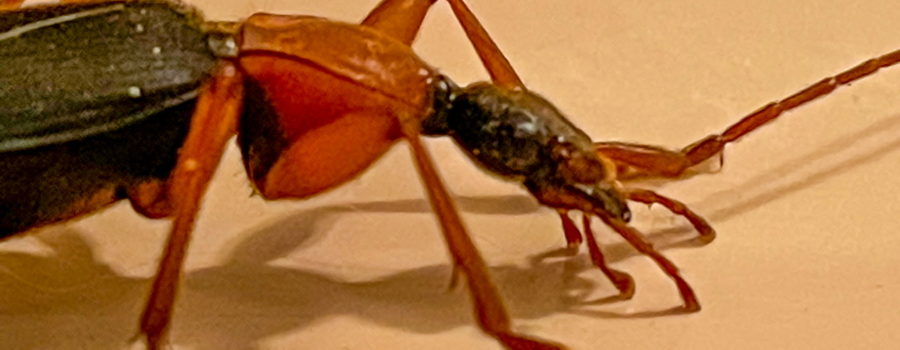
x=94 y=98
x=52 y=183
x=67 y=72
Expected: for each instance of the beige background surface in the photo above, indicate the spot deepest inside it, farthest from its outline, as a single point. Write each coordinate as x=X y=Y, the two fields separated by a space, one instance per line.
x=806 y=209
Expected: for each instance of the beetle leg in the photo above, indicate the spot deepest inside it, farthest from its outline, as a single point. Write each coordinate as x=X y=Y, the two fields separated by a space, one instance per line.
x=502 y=73
x=150 y=199
x=489 y=309
x=213 y=123
x=400 y=19
x=10 y=4
x=573 y=236
x=567 y=197
x=622 y=280
x=649 y=161
x=707 y=233
x=636 y=239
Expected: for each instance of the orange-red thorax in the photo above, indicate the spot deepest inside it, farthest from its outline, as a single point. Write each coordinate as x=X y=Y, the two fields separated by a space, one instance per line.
x=338 y=90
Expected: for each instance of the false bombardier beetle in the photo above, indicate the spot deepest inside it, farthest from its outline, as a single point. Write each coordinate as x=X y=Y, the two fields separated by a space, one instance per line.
x=108 y=100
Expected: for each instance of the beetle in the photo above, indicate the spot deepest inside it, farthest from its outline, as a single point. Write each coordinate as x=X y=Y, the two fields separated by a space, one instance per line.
x=313 y=102
x=588 y=236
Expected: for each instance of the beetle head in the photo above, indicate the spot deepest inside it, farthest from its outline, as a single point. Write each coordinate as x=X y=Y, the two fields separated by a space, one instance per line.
x=519 y=135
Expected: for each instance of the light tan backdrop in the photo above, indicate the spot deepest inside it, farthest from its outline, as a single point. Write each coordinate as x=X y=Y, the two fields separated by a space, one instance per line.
x=806 y=209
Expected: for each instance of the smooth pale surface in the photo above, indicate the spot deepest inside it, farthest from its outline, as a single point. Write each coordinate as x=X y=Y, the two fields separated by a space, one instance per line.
x=806 y=256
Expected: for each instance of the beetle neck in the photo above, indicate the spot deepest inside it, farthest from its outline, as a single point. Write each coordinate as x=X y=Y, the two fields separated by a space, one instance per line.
x=443 y=92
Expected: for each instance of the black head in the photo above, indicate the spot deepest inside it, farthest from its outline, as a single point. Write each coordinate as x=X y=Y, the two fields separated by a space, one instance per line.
x=519 y=135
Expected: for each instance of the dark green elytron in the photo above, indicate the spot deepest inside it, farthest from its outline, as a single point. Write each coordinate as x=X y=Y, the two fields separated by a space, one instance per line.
x=93 y=97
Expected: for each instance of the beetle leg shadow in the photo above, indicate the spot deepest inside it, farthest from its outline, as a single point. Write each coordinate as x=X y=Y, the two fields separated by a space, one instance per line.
x=46 y=292
x=220 y=303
